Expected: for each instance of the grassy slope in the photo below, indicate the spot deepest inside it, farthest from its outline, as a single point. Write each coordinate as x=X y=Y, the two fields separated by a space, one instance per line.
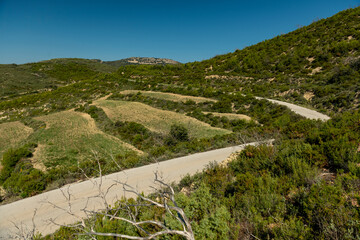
x=169 y=96
x=12 y=134
x=155 y=119
x=72 y=135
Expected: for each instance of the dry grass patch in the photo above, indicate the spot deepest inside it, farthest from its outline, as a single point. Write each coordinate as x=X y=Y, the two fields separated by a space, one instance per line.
x=169 y=96
x=72 y=136
x=155 y=119
x=231 y=116
x=12 y=134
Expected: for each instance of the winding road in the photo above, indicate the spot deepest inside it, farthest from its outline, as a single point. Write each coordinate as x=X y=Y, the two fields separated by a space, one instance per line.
x=85 y=194
x=305 y=112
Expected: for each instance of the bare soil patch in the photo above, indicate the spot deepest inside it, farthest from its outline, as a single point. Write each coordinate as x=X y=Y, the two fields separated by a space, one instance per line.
x=309 y=95
x=231 y=116
x=315 y=70
x=35 y=160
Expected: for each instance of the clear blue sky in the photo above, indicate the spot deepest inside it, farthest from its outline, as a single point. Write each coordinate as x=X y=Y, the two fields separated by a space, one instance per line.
x=35 y=30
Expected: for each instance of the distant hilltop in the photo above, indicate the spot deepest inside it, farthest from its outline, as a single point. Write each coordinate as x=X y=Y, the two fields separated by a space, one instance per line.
x=140 y=61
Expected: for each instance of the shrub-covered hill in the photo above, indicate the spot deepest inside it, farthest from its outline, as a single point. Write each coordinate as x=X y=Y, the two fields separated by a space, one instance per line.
x=47 y=75
x=317 y=64
x=50 y=74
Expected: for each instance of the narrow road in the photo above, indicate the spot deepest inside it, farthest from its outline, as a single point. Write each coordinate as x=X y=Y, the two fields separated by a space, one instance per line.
x=305 y=112
x=84 y=194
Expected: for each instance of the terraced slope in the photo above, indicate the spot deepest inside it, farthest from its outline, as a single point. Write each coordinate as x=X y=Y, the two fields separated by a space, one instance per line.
x=169 y=96
x=71 y=135
x=155 y=119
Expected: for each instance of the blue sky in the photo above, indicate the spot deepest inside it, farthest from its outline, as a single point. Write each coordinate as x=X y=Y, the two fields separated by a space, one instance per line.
x=181 y=30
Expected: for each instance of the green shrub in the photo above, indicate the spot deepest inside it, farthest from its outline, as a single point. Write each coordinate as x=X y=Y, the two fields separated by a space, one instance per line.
x=10 y=158
x=25 y=181
x=179 y=133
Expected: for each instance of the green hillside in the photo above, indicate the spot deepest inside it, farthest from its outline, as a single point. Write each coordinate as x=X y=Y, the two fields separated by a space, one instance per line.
x=320 y=61
x=46 y=75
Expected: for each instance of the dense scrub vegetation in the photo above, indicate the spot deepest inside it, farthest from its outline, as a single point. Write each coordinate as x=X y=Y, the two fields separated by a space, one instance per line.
x=17 y=176
x=321 y=58
x=296 y=189
x=46 y=76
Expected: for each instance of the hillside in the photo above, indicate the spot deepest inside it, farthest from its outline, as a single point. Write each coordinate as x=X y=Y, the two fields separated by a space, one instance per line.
x=50 y=74
x=32 y=78
x=316 y=65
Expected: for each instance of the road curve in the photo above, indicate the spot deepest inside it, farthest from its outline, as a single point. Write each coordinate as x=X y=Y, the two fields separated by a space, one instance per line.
x=83 y=194
x=305 y=112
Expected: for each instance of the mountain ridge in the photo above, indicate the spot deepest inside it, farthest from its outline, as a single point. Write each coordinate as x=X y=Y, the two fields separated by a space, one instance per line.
x=141 y=61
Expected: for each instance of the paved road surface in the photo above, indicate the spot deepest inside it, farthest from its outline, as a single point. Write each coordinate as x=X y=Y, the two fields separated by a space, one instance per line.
x=21 y=212
x=308 y=113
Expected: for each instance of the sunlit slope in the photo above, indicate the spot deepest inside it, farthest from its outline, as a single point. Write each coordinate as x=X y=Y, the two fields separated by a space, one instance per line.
x=47 y=75
x=70 y=136
x=316 y=65
x=12 y=134
x=231 y=116
x=155 y=119
x=169 y=96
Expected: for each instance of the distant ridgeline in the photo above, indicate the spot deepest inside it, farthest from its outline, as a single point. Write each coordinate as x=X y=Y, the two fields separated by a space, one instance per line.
x=141 y=61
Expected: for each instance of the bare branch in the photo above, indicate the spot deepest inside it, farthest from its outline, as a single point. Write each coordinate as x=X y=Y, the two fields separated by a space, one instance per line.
x=127 y=211
x=23 y=232
x=151 y=236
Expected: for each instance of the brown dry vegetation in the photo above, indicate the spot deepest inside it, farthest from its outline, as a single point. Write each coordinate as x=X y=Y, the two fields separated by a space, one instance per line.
x=169 y=96
x=12 y=134
x=231 y=116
